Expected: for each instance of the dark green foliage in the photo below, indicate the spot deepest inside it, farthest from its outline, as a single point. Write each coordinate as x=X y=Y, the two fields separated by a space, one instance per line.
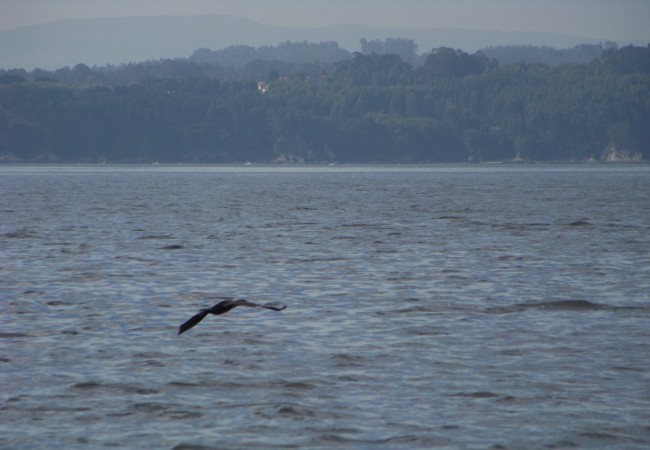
x=370 y=108
x=628 y=60
x=447 y=62
x=580 y=54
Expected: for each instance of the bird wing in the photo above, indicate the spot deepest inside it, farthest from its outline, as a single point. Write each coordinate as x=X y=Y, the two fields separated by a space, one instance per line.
x=274 y=306
x=193 y=321
x=243 y=302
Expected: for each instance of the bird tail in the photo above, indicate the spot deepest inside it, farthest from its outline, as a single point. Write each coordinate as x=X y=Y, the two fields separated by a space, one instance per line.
x=193 y=321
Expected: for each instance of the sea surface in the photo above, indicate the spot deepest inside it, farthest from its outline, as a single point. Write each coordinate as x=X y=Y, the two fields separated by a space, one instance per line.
x=469 y=306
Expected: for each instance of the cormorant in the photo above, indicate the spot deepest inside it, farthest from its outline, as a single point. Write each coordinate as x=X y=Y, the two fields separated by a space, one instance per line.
x=222 y=308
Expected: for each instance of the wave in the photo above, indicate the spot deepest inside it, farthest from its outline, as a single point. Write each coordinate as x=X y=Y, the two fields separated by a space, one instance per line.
x=560 y=305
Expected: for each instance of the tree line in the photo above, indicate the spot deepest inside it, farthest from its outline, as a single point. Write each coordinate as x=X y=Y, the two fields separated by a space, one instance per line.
x=372 y=107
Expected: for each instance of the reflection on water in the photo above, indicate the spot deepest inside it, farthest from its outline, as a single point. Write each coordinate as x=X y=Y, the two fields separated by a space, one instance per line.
x=428 y=306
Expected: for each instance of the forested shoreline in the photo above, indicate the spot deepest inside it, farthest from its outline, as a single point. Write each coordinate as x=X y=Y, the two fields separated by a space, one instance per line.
x=450 y=106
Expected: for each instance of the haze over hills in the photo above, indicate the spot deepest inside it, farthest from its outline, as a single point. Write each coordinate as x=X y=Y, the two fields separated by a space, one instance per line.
x=104 y=41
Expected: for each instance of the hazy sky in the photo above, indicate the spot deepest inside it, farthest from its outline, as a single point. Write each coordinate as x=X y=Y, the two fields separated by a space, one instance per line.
x=619 y=20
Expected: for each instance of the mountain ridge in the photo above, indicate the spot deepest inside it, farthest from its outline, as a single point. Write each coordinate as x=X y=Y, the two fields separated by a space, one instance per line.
x=118 y=40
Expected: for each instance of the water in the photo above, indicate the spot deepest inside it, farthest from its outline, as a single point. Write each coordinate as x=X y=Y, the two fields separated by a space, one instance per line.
x=429 y=306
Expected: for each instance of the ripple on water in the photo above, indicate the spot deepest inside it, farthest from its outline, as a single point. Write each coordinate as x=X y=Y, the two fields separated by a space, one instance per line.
x=293 y=411
x=116 y=388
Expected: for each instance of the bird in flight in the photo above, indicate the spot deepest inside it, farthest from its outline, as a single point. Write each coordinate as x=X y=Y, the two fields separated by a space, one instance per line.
x=222 y=308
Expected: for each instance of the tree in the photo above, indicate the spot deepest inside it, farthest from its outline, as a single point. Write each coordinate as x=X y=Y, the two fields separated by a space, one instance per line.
x=627 y=60
x=404 y=48
x=447 y=62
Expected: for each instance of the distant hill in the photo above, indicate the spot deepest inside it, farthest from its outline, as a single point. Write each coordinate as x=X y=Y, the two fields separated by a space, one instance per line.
x=134 y=39
x=291 y=52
